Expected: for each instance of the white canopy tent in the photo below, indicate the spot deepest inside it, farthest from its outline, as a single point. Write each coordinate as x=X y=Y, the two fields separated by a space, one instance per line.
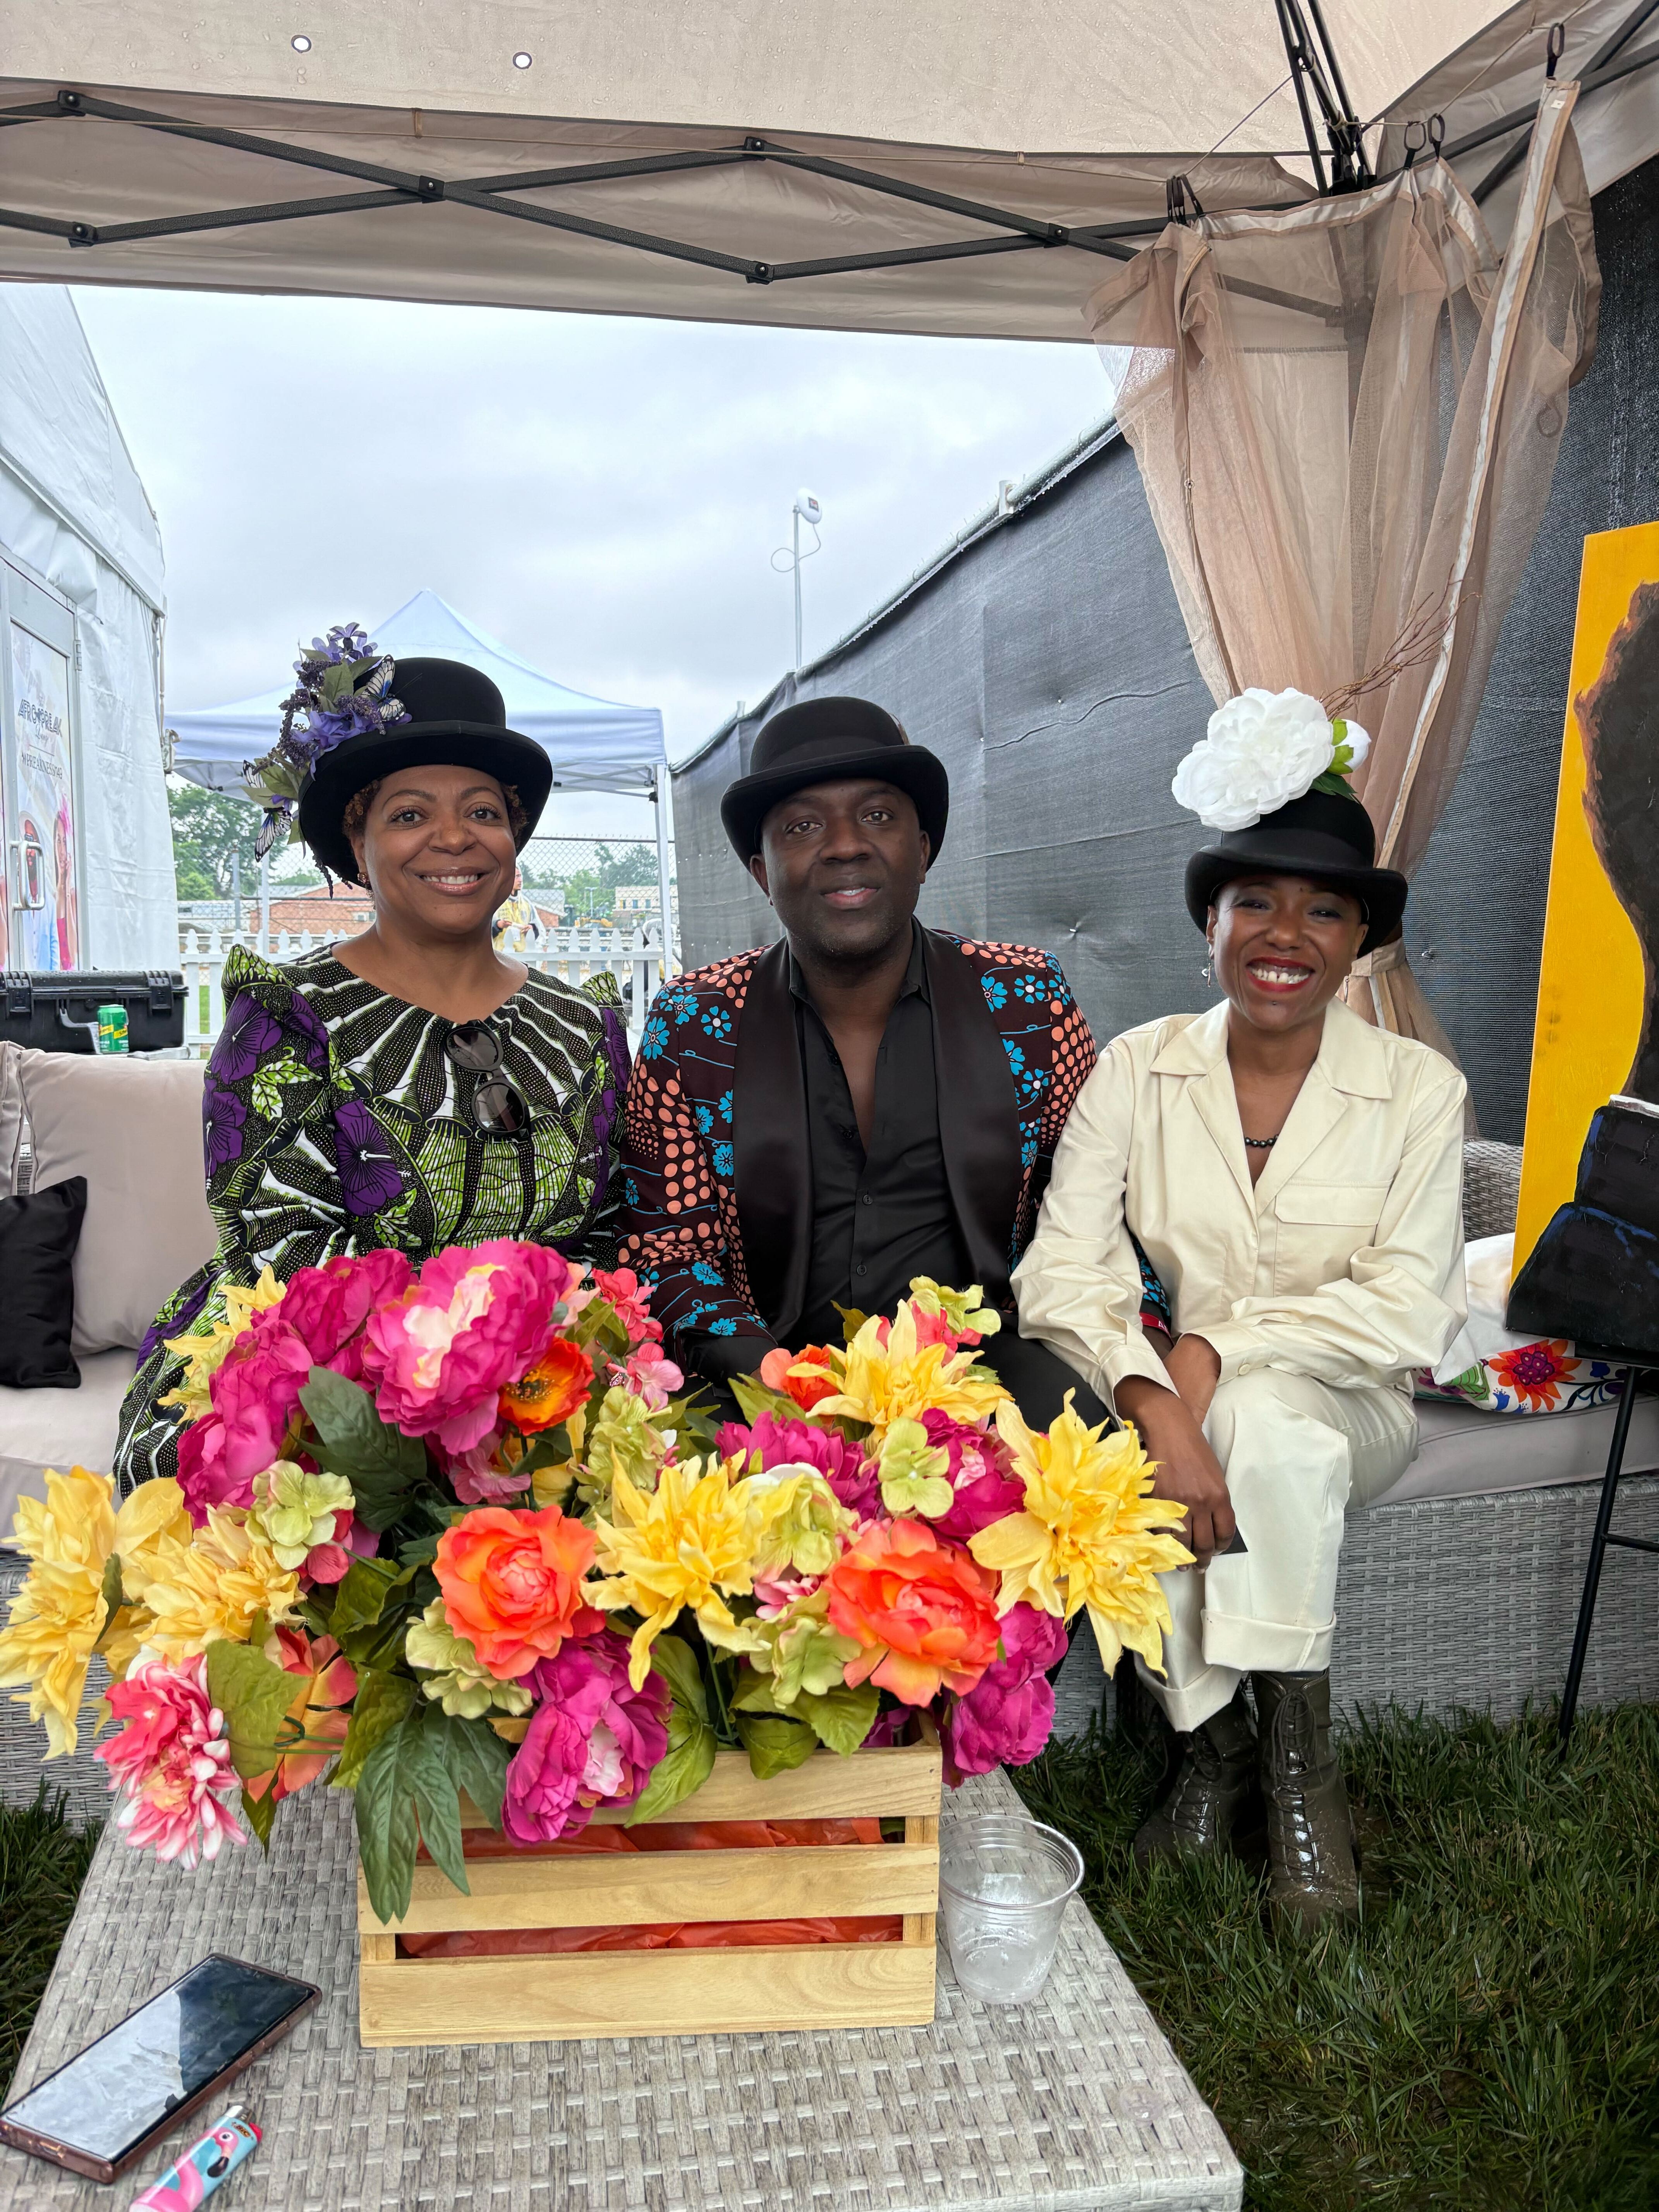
x=929 y=166
x=594 y=745
x=85 y=853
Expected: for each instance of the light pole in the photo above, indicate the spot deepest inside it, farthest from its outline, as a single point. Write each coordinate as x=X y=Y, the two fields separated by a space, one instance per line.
x=807 y=510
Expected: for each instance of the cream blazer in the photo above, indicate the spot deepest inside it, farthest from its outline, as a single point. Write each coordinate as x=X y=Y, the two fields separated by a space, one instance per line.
x=1345 y=1262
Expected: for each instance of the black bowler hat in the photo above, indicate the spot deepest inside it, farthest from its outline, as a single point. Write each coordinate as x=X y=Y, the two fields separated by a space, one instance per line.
x=457 y=719
x=1322 y=835
x=823 y=741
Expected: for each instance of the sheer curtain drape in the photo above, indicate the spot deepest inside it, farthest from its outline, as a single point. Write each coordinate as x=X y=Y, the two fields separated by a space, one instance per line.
x=1347 y=417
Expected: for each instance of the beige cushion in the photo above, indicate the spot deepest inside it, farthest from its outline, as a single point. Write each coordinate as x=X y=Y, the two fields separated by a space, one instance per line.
x=1464 y=1453
x=133 y=1128
x=63 y=1429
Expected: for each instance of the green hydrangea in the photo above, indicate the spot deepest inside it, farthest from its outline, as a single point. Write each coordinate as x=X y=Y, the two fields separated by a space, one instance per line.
x=797 y=1520
x=454 y=1677
x=799 y=1650
x=621 y=1440
x=294 y=1511
x=916 y=1475
x=960 y=1308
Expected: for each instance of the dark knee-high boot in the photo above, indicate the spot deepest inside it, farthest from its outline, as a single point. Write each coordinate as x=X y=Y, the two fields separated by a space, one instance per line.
x=1218 y=1766
x=1312 y=1876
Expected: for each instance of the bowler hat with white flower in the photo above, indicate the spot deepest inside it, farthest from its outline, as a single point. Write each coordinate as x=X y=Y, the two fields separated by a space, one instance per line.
x=1271 y=777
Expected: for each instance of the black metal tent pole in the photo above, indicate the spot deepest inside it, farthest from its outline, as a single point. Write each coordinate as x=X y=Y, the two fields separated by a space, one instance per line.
x=1510 y=161
x=1315 y=69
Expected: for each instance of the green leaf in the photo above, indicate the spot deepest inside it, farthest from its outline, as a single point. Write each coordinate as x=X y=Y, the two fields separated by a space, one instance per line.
x=774 y=1745
x=260 y=1813
x=381 y=1702
x=475 y=1757
x=380 y=1463
x=361 y=1592
x=756 y=1399
x=1338 y=785
x=677 y=1662
x=840 y=1719
x=110 y=1590
x=684 y=1766
x=254 y=1696
x=407 y=1797
x=381 y=1646
x=755 y=1694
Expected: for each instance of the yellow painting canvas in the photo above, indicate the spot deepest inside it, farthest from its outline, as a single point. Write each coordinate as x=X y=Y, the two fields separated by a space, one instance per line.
x=1596 y=983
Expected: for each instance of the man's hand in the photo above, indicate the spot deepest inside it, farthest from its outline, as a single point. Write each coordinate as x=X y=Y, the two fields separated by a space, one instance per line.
x=1189 y=1471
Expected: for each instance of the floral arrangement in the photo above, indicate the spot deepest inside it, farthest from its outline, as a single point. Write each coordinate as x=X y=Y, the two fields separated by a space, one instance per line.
x=344 y=687
x=456 y=1530
x=1260 y=750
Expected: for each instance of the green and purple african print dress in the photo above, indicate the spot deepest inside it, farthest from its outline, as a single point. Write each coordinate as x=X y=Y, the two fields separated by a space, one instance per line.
x=335 y=1122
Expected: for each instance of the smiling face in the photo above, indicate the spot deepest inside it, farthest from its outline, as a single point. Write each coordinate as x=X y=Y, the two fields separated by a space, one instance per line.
x=843 y=864
x=436 y=849
x=1283 y=946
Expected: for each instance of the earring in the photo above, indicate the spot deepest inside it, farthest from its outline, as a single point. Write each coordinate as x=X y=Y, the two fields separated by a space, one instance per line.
x=1207 y=971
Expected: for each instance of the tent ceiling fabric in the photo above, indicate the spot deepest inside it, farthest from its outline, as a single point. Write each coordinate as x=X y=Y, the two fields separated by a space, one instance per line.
x=1065 y=115
x=595 y=745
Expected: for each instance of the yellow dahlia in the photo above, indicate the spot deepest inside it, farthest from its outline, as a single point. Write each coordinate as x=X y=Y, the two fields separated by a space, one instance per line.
x=884 y=1375
x=1090 y=1534
x=204 y=1354
x=59 y=1614
x=684 y=1546
x=209 y=1588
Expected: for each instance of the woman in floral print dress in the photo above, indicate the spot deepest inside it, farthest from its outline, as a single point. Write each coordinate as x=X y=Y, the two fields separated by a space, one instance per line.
x=408 y=1087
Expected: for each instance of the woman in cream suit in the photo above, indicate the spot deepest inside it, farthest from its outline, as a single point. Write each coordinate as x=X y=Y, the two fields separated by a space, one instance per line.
x=1295 y=1177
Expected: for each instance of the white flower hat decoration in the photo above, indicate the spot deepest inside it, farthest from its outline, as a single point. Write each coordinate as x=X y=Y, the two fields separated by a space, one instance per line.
x=1262 y=749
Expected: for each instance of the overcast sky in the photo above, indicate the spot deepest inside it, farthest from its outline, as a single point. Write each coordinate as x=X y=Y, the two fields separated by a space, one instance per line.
x=603 y=494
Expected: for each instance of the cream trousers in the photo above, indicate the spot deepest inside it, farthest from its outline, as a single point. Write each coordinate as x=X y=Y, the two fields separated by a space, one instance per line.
x=1299 y=1456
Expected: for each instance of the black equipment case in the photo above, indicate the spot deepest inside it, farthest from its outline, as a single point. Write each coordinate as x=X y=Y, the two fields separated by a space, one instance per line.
x=59 y=1013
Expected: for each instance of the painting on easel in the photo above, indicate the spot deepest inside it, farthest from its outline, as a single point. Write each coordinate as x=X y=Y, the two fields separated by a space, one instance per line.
x=1589 y=1179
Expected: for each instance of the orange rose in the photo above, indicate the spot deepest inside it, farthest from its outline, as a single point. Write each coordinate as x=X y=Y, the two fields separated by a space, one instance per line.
x=805 y=1389
x=512 y=1581
x=552 y=1390
x=924 y=1610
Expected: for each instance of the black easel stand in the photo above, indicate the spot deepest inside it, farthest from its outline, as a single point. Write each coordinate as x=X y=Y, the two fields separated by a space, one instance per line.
x=1603 y=1536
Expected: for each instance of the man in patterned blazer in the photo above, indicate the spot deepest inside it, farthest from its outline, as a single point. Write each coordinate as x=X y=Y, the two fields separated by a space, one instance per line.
x=810 y=1125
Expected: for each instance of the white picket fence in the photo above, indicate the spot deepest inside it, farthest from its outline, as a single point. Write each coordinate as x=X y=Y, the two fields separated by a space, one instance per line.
x=635 y=960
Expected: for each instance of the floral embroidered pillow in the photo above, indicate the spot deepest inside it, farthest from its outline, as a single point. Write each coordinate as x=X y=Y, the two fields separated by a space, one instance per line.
x=1546 y=1377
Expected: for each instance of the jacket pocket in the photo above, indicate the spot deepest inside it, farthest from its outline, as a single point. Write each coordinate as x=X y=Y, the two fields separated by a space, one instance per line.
x=1321 y=1227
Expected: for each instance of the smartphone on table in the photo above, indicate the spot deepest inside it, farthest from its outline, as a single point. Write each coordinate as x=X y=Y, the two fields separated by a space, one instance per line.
x=102 y=2111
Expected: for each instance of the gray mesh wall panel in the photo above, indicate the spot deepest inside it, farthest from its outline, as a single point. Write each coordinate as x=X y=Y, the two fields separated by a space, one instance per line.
x=1046 y=664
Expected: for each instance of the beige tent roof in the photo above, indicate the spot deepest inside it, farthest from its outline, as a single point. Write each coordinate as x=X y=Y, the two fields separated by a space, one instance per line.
x=725 y=133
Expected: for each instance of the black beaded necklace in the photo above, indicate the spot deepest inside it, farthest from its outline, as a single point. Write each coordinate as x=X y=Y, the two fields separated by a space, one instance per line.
x=1261 y=1143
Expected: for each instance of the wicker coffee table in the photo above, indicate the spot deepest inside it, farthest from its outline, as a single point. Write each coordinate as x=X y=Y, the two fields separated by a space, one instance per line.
x=1074 y=2104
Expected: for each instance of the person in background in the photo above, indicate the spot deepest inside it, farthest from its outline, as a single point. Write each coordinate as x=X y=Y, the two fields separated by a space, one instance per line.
x=409 y=1088
x=1295 y=1177
x=812 y=1126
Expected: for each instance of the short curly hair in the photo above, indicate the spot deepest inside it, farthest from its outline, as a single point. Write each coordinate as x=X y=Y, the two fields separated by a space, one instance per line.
x=354 y=820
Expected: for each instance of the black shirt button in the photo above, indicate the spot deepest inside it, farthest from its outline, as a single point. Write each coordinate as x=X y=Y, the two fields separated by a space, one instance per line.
x=861 y=1268
x=868 y=1200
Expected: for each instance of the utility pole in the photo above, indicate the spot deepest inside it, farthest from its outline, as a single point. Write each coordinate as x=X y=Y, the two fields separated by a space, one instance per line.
x=807 y=510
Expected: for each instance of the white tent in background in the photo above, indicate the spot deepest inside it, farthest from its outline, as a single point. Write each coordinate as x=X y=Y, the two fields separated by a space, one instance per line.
x=594 y=745
x=86 y=850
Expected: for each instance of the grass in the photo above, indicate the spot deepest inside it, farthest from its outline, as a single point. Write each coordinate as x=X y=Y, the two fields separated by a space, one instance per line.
x=1487 y=2040
x=42 y=1866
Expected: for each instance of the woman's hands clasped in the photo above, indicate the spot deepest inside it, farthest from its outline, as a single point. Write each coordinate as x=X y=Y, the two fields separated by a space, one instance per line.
x=1171 y=1425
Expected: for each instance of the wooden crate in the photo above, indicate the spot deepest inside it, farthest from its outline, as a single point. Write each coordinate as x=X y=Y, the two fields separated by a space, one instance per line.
x=549 y=1999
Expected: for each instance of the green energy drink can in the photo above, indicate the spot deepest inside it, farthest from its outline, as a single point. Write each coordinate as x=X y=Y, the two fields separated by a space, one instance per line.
x=112 y=1028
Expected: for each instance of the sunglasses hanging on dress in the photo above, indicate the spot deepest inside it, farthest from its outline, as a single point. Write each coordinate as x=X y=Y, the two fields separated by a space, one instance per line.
x=497 y=1108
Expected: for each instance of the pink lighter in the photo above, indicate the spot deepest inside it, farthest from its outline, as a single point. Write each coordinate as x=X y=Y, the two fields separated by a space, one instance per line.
x=202 y=2168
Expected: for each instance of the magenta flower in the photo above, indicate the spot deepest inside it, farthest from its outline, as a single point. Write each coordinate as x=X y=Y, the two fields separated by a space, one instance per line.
x=171 y=1763
x=630 y=1299
x=475 y=1477
x=981 y=1474
x=327 y=1563
x=807 y=1443
x=593 y=1739
x=327 y=1306
x=255 y=1396
x=1005 y=1718
x=438 y=1358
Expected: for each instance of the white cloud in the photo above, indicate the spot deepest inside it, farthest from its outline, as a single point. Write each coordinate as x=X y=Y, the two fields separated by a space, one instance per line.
x=603 y=494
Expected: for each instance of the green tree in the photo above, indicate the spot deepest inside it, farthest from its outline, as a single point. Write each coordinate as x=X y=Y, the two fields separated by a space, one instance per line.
x=209 y=828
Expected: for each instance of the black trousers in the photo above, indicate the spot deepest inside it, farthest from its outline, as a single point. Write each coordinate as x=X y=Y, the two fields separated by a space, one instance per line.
x=1039 y=1379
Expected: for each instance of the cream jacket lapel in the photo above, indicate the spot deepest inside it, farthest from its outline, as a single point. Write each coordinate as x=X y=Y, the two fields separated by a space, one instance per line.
x=1344 y=1262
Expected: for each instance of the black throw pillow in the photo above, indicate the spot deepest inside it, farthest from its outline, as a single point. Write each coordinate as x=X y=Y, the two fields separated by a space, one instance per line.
x=37 y=1237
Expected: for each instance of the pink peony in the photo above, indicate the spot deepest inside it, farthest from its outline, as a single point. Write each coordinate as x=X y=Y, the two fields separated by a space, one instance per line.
x=255 y=1396
x=986 y=1488
x=654 y=1376
x=475 y=1479
x=629 y=1300
x=327 y=1306
x=171 y=1763
x=806 y=1443
x=592 y=1740
x=438 y=1357
x=1005 y=1718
